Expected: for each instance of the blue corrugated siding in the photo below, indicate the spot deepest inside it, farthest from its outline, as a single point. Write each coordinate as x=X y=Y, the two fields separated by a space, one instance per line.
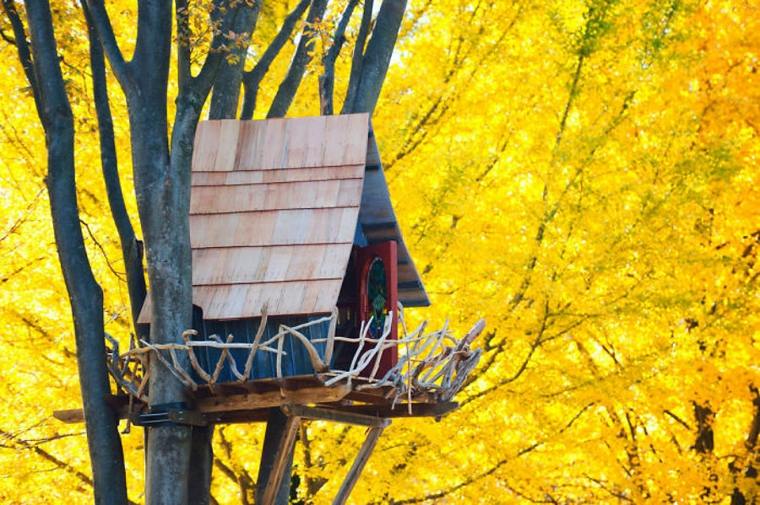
x=296 y=362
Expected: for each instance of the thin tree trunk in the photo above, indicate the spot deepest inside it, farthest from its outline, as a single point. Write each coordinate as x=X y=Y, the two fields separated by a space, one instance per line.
x=327 y=78
x=131 y=248
x=377 y=58
x=85 y=294
x=290 y=84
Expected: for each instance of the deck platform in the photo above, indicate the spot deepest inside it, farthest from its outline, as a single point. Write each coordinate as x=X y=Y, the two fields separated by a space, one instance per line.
x=250 y=402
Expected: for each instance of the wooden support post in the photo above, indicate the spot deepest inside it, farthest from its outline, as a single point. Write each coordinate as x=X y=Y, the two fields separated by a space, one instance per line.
x=276 y=456
x=356 y=469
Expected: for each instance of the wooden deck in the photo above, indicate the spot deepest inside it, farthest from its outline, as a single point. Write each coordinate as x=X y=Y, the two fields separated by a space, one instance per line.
x=250 y=402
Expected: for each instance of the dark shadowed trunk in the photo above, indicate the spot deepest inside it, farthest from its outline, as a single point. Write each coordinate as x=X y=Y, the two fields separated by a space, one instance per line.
x=748 y=467
x=85 y=294
x=290 y=84
x=131 y=248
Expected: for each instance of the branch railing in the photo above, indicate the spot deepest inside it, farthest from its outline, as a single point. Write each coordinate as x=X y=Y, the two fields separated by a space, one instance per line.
x=433 y=365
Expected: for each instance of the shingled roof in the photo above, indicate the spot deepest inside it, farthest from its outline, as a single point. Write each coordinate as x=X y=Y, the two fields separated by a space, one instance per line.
x=274 y=211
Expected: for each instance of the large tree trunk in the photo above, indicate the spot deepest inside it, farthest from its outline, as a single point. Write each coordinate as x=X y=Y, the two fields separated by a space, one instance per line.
x=162 y=189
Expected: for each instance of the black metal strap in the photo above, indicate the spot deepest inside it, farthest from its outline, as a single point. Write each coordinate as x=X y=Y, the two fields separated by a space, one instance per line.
x=177 y=413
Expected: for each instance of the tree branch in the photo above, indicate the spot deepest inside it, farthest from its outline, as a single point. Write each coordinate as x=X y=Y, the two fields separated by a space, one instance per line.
x=358 y=57
x=131 y=249
x=327 y=79
x=678 y=419
x=22 y=48
x=182 y=15
x=289 y=85
x=253 y=78
x=197 y=88
x=7 y=37
x=377 y=58
x=104 y=29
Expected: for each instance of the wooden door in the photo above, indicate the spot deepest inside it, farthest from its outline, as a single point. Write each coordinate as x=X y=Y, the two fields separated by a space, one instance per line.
x=378 y=297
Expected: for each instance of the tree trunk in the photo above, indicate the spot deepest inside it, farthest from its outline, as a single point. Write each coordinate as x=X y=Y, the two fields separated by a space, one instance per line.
x=131 y=249
x=378 y=55
x=226 y=93
x=162 y=189
x=85 y=294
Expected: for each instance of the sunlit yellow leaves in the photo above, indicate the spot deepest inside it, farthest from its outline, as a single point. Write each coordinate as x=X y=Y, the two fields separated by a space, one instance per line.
x=581 y=174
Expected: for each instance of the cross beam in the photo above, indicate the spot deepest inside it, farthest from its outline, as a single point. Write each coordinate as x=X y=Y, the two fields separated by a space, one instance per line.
x=323 y=414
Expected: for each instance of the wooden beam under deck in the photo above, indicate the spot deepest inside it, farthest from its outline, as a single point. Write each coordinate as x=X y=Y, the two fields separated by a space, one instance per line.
x=338 y=416
x=245 y=403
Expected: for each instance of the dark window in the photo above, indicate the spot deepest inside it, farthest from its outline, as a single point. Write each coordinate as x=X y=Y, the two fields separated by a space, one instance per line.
x=377 y=296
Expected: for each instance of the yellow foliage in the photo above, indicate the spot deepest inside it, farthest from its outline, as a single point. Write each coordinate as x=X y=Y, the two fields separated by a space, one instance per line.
x=582 y=175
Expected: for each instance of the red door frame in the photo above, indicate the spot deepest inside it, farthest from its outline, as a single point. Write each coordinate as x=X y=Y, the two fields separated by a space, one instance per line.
x=388 y=253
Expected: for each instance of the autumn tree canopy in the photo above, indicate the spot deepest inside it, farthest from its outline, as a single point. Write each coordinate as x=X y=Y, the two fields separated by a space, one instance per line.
x=581 y=174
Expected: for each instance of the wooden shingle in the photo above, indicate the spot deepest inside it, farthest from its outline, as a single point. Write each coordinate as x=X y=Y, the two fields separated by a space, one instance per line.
x=275 y=206
x=273 y=212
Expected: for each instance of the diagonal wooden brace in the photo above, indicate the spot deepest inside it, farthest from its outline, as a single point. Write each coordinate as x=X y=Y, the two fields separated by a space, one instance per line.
x=373 y=434
x=273 y=469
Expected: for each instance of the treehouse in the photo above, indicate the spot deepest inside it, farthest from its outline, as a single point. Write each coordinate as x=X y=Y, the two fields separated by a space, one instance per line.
x=290 y=219
x=300 y=277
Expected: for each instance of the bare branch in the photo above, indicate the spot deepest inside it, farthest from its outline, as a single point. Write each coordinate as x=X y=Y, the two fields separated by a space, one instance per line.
x=289 y=85
x=7 y=37
x=252 y=79
x=358 y=58
x=119 y=275
x=327 y=79
x=677 y=419
x=102 y=24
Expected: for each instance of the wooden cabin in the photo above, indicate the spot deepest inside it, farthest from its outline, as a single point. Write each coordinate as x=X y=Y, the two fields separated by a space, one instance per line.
x=292 y=217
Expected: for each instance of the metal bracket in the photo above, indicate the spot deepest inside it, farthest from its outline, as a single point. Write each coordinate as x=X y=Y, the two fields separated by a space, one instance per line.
x=170 y=413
